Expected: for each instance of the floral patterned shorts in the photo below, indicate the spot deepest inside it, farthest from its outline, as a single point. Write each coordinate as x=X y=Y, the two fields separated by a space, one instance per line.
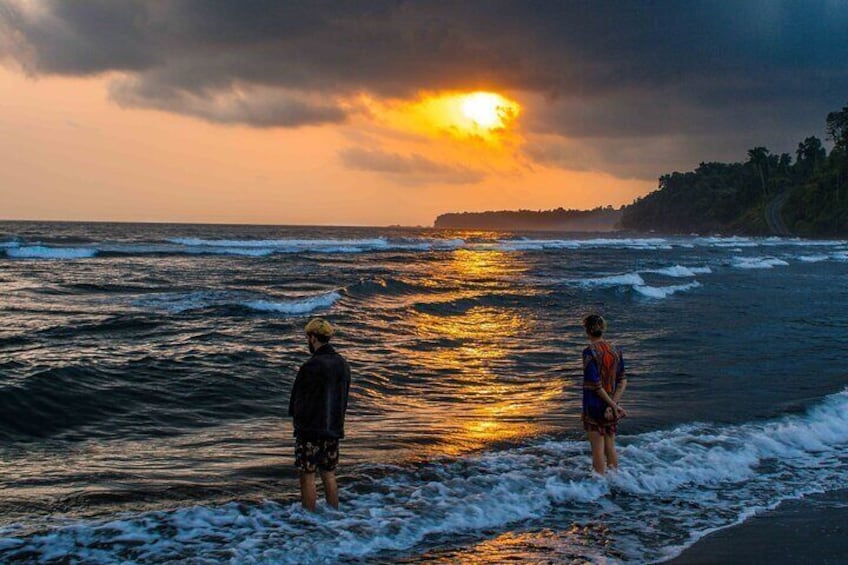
x=604 y=430
x=312 y=454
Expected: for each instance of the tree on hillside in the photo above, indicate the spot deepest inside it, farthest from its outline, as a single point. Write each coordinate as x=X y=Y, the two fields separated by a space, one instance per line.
x=734 y=197
x=758 y=159
x=810 y=155
x=837 y=128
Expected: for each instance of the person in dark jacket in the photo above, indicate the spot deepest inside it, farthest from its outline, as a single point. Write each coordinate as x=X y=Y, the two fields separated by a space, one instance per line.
x=317 y=406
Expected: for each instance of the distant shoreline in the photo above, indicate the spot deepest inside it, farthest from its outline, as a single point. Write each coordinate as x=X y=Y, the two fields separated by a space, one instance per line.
x=225 y=224
x=563 y=228
x=602 y=219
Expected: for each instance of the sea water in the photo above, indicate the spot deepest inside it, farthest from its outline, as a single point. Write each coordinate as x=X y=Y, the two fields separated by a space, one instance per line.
x=145 y=372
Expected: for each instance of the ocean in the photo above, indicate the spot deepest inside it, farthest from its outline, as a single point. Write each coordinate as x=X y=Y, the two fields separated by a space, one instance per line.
x=145 y=371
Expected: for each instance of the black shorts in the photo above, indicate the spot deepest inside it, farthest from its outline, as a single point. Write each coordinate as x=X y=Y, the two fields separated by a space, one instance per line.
x=316 y=454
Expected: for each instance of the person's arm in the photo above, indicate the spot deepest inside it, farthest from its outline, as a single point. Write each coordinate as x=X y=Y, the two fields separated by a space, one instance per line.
x=612 y=403
x=619 y=390
x=620 y=386
x=294 y=392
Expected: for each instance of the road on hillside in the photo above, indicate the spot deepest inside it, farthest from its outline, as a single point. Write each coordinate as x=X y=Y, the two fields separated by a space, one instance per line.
x=774 y=219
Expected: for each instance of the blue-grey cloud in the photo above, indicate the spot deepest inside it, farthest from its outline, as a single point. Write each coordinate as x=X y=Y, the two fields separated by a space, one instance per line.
x=411 y=169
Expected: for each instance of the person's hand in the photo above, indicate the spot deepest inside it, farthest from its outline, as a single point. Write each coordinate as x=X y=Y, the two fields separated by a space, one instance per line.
x=619 y=411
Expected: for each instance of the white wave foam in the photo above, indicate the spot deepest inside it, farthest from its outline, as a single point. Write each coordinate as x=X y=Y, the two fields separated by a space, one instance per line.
x=198 y=300
x=680 y=271
x=268 y=243
x=740 y=242
x=289 y=245
x=650 y=244
x=242 y=251
x=322 y=245
x=638 y=284
x=44 y=252
x=813 y=258
x=303 y=306
x=758 y=262
x=171 y=249
x=705 y=476
x=447 y=244
x=841 y=256
x=536 y=244
x=614 y=280
x=734 y=242
x=660 y=292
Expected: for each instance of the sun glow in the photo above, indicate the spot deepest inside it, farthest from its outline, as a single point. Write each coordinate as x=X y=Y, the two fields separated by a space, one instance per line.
x=485 y=109
x=480 y=116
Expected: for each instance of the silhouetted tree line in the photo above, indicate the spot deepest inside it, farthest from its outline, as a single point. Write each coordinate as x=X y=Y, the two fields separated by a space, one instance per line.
x=603 y=217
x=734 y=197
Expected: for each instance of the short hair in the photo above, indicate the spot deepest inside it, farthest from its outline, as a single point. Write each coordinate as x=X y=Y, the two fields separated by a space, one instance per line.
x=320 y=328
x=594 y=325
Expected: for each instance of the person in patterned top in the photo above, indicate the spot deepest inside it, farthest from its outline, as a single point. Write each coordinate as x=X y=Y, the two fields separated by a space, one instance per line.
x=604 y=381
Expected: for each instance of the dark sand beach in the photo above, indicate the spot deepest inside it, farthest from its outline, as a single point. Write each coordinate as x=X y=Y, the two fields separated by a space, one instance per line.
x=810 y=530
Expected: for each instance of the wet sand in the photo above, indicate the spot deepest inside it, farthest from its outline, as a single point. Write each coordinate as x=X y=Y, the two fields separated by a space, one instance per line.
x=810 y=530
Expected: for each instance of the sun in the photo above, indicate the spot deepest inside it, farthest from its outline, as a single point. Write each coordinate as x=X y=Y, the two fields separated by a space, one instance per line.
x=472 y=116
x=484 y=109
x=487 y=109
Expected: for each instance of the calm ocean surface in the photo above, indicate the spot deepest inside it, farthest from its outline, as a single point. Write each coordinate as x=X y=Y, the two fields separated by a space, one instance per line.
x=145 y=373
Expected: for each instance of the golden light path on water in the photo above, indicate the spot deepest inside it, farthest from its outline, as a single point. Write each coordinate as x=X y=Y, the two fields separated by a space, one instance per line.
x=593 y=541
x=473 y=360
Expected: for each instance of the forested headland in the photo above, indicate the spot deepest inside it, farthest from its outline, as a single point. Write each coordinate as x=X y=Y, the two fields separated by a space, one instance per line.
x=599 y=219
x=765 y=194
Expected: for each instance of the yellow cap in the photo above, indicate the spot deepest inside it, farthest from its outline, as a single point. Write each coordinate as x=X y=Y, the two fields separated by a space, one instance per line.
x=319 y=326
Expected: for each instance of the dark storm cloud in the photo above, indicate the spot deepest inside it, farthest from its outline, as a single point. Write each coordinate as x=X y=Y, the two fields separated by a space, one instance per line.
x=605 y=70
x=255 y=107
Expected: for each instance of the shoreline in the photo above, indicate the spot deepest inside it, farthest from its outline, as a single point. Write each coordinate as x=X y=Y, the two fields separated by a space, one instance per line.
x=812 y=529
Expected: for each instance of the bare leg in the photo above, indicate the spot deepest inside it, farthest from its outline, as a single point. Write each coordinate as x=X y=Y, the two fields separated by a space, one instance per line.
x=331 y=489
x=609 y=449
x=596 y=440
x=307 y=491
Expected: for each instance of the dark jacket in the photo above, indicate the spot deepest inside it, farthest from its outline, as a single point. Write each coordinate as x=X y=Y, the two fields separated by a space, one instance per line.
x=319 y=396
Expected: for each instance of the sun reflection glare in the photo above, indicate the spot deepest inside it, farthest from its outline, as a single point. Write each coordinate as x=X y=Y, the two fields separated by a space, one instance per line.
x=470 y=349
x=577 y=544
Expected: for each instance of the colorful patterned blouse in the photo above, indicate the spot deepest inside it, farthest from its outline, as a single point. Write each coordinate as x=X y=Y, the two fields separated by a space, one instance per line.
x=603 y=367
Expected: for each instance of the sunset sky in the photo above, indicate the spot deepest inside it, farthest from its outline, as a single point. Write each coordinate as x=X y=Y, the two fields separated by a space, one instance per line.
x=375 y=113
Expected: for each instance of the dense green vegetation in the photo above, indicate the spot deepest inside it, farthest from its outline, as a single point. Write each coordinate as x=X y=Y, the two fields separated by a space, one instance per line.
x=766 y=194
x=599 y=219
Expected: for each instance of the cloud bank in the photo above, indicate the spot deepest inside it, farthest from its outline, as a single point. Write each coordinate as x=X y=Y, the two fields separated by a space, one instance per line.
x=603 y=76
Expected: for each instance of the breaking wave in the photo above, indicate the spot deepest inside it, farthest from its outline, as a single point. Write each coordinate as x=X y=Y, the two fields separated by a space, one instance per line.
x=660 y=292
x=706 y=476
x=178 y=302
x=680 y=271
x=614 y=243
x=614 y=280
x=757 y=262
x=637 y=283
x=44 y=252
